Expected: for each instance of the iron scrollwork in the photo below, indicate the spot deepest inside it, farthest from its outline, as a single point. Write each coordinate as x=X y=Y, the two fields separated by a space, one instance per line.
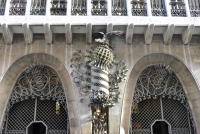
x=37 y=81
x=97 y=75
x=158 y=82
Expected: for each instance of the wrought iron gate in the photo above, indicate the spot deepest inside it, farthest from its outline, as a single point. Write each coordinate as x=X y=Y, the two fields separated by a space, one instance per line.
x=34 y=99
x=159 y=96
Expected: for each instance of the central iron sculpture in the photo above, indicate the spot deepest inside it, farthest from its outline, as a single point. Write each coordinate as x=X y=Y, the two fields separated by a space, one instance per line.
x=97 y=75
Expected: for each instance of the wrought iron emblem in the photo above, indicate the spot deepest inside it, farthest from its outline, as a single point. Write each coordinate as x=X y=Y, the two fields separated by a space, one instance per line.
x=97 y=75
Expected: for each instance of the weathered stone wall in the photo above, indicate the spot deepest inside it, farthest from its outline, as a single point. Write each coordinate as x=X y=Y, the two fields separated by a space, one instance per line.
x=184 y=60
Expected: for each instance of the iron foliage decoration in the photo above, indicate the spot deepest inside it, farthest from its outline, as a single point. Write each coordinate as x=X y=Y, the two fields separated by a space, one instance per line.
x=97 y=75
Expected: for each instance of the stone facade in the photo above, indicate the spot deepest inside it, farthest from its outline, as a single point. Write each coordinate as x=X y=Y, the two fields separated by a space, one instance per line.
x=183 y=59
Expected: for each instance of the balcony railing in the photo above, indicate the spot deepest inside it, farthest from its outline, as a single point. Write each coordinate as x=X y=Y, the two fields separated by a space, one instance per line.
x=99 y=8
x=79 y=8
x=2 y=7
x=17 y=7
x=194 y=6
x=119 y=8
x=58 y=7
x=139 y=8
x=38 y=7
x=158 y=8
x=178 y=9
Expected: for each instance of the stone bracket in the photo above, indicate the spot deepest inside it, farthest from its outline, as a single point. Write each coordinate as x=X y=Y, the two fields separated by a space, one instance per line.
x=28 y=34
x=148 y=35
x=89 y=33
x=7 y=33
x=48 y=33
x=187 y=34
x=68 y=33
x=168 y=34
x=109 y=27
x=129 y=33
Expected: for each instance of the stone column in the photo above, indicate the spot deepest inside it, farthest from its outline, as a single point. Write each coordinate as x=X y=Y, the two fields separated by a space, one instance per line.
x=129 y=7
x=48 y=6
x=109 y=7
x=168 y=8
x=69 y=7
x=149 y=8
x=89 y=7
x=187 y=8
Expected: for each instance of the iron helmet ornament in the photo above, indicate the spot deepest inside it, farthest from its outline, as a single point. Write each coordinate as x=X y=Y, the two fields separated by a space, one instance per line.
x=97 y=75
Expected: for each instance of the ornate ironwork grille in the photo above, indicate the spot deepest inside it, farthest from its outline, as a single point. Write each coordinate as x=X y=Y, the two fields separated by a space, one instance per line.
x=99 y=7
x=119 y=8
x=139 y=8
x=17 y=7
x=79 y=7
x=158 y=8
x=33 y=99
x=2 y=6
x=38 y=7
x=194 y=7
x=160 y=96
x=178 y=8
x=59 y=7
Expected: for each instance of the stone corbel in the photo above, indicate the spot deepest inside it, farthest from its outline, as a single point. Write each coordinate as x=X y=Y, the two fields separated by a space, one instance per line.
x=28 y=34
x=48 y=33
x=68 y=33
x=187 y=34
x=148 y=35
x=89 y=33
x=7 y=33
x=129 y=33
x=109 y=27
x=168 y=34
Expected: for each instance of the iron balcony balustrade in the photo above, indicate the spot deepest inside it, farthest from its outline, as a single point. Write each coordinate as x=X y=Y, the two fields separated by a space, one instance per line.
x=178 y=8
x=58 y=7
x=17 y=7
x=139 y=8
x=79 y=8
x=158 y=8
x=194 y=6
x=99 y=8
x=119 y=8
x=38 y=7
x=2 y=7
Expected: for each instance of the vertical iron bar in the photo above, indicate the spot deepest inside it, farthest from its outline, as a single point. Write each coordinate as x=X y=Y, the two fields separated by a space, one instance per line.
x=35 y=112
x=161 y=107
x=189 y=122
